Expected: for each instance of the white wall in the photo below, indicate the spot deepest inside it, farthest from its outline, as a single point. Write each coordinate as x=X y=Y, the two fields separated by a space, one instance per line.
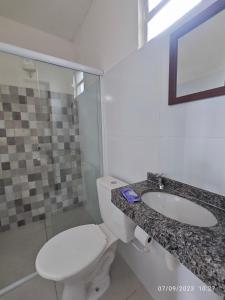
x=142 y=133
x=108 y=34
x=30 y=38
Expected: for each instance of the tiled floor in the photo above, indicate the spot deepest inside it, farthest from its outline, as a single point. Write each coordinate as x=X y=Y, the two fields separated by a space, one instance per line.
x=36 y=289
x=124 y=286
x=18 y=250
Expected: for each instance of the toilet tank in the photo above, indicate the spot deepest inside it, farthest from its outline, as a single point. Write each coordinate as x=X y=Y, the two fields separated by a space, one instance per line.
x=122 y=226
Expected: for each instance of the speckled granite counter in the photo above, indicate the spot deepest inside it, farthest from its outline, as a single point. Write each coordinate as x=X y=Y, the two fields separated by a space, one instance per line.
x=200 y=249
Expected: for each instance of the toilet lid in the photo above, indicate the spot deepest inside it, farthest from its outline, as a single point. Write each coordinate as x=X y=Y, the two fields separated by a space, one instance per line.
x=70 y=252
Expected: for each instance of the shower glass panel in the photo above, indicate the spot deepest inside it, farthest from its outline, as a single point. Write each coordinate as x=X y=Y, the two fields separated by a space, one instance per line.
x=50 y=157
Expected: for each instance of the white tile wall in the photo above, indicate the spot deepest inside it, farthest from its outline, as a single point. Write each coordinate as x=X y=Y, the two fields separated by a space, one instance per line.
x=126 y=154
x=142 y=133
x=186 y=141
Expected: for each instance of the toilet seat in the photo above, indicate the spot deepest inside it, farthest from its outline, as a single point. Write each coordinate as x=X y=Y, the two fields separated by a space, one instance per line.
x=70 y=252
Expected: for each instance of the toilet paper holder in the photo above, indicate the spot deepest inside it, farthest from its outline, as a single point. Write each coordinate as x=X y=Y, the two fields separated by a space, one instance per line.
x=142 y=240
x=137 y=245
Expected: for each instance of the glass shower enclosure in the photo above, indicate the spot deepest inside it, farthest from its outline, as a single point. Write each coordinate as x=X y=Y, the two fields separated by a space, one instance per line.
x=50 y=157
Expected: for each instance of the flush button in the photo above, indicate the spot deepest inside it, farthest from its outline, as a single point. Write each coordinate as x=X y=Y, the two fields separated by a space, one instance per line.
x=113 y=182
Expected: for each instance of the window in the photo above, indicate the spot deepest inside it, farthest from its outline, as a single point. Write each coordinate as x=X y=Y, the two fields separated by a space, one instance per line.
x=152 y=4
x=78 y=83
x=161 y=14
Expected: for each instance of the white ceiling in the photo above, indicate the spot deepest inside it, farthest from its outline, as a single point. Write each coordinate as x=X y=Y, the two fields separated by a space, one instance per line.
x=58 y=17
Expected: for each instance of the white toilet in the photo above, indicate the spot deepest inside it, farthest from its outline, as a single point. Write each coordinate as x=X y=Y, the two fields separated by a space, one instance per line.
x=81 y=256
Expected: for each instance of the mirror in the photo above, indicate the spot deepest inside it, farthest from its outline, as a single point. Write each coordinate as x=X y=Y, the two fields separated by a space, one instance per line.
x=197 y=57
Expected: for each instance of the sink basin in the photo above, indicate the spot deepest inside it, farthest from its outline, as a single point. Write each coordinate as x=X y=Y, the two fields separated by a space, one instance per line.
x=179 y=209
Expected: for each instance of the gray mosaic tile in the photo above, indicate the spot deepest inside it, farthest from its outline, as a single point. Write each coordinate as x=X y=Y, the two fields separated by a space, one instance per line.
x=40 y=164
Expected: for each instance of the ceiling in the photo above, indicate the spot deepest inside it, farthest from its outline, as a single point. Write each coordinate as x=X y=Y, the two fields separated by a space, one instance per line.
x=58 y=17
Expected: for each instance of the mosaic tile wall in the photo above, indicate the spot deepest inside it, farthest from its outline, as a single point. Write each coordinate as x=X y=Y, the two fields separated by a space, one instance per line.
x=40 y=164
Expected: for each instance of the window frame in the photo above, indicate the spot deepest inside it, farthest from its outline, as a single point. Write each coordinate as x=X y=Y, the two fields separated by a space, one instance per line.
x=155 y=10
x=149 y=15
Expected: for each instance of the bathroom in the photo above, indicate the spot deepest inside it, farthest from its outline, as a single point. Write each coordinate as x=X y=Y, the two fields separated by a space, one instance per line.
x=90 y=103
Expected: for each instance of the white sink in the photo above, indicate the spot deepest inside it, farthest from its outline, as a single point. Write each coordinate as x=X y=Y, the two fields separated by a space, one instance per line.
x=179 y=209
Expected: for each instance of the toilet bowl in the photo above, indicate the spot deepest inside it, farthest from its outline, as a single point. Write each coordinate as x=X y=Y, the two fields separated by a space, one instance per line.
x=81 y=257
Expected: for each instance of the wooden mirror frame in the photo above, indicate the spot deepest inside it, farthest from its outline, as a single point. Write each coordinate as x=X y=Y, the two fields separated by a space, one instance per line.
x=211 y=11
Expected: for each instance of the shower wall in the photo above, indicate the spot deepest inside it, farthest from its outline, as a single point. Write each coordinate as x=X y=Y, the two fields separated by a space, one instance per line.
x=40 y=154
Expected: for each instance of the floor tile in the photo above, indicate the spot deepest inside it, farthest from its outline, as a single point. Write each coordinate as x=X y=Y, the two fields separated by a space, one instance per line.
x=18 y=251
x=35 y=289
x=140 y=294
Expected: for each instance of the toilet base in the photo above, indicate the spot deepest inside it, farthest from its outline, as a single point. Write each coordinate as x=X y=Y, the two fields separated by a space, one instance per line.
x=96 y=283
x=74 y=291
x=102 y=287
x=78 y=291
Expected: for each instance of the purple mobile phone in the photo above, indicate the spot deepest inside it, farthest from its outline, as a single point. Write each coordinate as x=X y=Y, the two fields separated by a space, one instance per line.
x=130 y=195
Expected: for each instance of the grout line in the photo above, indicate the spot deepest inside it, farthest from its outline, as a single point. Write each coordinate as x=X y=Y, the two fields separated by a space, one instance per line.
x=130 y=295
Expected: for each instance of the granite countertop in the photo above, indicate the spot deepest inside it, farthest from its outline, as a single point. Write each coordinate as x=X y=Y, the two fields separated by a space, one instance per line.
x=200 y=249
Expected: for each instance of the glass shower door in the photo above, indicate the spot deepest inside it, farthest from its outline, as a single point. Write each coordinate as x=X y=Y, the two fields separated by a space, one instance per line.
x=50 y=157
x=74 y=100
